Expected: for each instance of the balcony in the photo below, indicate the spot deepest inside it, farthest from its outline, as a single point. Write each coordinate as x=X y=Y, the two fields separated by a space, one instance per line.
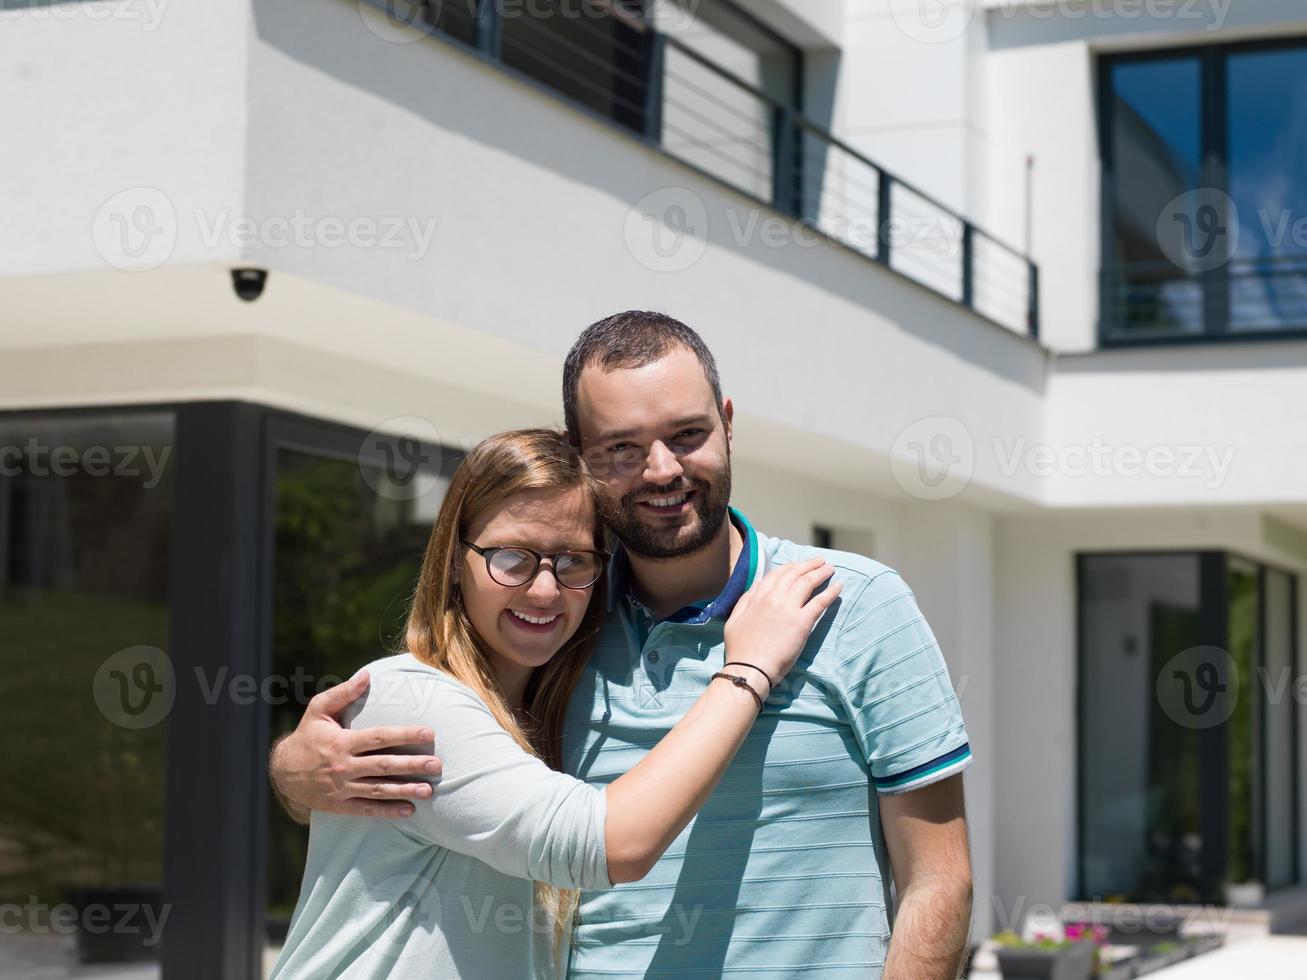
x=665 y=78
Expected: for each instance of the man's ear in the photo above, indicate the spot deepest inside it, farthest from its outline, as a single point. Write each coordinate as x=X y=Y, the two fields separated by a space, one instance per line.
x=728 y=421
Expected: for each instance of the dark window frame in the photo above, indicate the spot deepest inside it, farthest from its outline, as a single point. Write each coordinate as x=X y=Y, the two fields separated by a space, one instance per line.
x=1214 y=136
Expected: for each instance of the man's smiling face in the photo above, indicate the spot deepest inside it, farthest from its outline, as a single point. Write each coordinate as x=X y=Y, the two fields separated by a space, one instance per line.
x=655 y=438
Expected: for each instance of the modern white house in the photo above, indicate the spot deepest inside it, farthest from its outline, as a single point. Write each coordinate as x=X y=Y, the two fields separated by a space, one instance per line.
x=1010 y=295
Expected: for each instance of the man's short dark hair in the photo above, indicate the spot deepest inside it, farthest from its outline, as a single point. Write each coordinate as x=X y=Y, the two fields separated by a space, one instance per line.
x=631 y=340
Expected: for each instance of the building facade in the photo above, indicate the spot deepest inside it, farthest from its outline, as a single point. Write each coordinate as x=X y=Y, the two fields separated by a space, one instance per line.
x=1009 y=294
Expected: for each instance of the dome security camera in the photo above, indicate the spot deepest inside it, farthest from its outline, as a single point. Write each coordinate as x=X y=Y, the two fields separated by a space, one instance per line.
x=249 y=283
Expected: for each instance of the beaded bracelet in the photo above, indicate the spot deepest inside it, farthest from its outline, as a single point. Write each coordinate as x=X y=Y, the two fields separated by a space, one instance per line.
x=739 y=681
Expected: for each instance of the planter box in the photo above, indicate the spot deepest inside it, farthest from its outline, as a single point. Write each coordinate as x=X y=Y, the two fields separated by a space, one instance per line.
x=1204 y=944
x=1245 y=895
x=1124 y=970
x=1133 y=925
x=1148 y=963
x=1074 y=962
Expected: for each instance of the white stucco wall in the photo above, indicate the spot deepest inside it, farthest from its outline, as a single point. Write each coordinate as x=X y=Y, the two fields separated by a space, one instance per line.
x=125 y=101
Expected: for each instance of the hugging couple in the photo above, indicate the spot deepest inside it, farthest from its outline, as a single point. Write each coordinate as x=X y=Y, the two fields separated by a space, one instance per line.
x=698 y=752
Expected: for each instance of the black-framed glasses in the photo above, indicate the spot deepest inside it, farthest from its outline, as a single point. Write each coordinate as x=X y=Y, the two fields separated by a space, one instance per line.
x=516 y=566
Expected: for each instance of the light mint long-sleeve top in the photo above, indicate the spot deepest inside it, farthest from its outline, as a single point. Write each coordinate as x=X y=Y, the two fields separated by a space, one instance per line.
x=447 y=892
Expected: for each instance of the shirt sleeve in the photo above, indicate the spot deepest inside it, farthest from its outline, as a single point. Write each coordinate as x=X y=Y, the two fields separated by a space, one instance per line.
x=494 y=801
x=895 y=685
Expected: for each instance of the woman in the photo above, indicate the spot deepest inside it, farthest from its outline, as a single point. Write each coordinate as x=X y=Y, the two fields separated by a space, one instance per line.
x=508 y=601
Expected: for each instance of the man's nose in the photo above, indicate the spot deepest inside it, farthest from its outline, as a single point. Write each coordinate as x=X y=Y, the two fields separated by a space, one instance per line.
x=661 y=465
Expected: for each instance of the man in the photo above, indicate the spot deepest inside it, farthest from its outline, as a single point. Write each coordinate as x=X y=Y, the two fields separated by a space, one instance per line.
x=851 y=777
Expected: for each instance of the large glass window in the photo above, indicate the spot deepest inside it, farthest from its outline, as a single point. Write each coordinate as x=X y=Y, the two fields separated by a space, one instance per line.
x=1205 y=199
x=1267 y=165
x=86 y=504
x=1187 y=726
x=349 y=539
x=1141 y=773
x=1157 y=141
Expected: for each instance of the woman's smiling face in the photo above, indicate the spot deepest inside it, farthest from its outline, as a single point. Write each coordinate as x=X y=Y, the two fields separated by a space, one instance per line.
x=547 y=521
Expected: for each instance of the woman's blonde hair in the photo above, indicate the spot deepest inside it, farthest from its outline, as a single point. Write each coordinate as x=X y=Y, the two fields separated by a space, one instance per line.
x=440 y=633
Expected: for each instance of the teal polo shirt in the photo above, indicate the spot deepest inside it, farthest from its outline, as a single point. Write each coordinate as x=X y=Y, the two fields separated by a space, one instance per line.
x=784 y=872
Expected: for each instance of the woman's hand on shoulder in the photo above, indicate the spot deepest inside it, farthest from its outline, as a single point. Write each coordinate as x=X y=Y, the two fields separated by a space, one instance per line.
x=771 y=622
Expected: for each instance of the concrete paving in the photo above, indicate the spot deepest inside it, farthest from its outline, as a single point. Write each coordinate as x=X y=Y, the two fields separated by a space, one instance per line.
x=1267 y=958
x=1258 y=958
x=54 y=957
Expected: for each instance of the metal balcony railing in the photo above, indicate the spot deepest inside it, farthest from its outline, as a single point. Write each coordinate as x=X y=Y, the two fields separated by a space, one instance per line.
x=1264 y=296
x=666 y=92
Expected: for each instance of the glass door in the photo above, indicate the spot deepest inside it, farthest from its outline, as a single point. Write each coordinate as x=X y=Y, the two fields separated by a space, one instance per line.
x=350 y=514
x=1188 y=723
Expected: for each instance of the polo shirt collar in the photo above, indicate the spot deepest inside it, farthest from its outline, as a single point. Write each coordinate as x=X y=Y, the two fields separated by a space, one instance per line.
x=748 y=566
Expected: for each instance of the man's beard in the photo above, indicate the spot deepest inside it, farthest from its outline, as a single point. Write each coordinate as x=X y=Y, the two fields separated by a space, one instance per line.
x=709 y=503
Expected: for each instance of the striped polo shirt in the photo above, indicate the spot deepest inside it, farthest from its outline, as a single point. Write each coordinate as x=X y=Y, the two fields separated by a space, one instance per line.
x=784 y=872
